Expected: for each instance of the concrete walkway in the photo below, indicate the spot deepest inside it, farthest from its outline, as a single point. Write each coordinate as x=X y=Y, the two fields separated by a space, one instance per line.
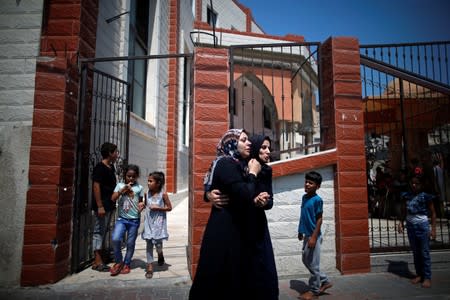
x=174 y=253
x=172 y=281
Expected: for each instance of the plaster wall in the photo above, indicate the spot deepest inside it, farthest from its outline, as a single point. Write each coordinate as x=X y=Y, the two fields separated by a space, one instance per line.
x=228 y=15
x=20 y=28
x=148 y=136
x=283 y=221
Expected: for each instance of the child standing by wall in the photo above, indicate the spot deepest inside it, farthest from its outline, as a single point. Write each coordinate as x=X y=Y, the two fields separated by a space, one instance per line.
x=157 y=203
x=130 y=194
x=417 y=207
x=104 y=181
x=310 y=233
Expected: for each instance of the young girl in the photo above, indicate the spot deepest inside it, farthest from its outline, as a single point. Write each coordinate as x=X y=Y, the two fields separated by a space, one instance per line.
x=130 y=195
x=157 y=203
x=418 y=205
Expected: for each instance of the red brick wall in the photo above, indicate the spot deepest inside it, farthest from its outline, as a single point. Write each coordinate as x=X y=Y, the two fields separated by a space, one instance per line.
x=343 y=128
x=70 y=30
x=172 y=117
x=210 y=120
x=343 y=131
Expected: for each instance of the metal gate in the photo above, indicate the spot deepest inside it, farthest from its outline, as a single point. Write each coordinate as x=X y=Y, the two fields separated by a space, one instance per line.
x=104 y=115
x=274 y=90
x=406 y=95
x=104 y=111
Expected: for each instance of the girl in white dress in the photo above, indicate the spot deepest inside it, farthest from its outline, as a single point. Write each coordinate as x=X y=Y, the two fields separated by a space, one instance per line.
x=157 y=203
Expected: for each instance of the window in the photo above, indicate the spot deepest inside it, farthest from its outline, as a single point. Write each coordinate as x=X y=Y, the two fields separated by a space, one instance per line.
x=137 y=69
x=211 y=17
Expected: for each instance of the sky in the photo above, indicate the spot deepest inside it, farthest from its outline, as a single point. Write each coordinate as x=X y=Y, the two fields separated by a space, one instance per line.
x=371 y=21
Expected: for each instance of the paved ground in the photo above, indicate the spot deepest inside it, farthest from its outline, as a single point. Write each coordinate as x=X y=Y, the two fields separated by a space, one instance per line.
x=172 y=281
x=355 y=287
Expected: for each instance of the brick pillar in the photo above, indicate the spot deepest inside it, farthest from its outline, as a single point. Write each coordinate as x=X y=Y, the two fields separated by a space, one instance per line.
x=343 y=128
x=172 y=117
x=210 y=120
x=69 y=29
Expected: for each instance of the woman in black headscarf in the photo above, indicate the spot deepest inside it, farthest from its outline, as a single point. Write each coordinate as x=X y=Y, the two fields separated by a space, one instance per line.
x=222 y=271
x=264 y=278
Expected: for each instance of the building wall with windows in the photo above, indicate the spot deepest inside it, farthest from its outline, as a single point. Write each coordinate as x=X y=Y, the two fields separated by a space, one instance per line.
x=229 y=15
x=148 y=130
x=38 y=97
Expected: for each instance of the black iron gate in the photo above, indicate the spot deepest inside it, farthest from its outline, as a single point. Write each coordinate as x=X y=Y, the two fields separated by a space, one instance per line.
x=406 y=93
x=104 y=111
x=104 y=115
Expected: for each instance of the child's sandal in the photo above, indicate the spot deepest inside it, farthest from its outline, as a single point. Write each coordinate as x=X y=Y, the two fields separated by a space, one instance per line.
x=149 y=272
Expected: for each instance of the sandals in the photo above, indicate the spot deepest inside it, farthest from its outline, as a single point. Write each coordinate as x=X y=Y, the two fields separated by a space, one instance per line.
x=101 y=268
x=116 y=269
x=149 y=272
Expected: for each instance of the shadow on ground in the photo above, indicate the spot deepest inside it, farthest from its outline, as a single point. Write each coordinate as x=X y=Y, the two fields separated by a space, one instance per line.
x=399 y=268
x=299 y=286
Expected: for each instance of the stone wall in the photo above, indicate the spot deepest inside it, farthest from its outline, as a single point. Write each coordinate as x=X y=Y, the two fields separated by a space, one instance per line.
x=20 y=28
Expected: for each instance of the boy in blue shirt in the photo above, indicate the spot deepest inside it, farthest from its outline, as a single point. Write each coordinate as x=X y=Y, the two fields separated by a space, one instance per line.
x=309 y=232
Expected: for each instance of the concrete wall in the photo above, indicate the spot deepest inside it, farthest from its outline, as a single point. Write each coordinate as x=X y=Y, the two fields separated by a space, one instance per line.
x=148 y=137
x=20 y=27
x=186 y=46
x=231 y=16
x=283 y=221
x=228 y=14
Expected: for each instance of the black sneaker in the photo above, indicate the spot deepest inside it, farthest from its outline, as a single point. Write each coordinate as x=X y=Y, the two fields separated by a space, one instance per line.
x=161 y=261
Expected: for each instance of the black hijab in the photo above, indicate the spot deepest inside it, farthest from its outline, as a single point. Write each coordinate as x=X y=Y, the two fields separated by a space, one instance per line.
x=257 y=141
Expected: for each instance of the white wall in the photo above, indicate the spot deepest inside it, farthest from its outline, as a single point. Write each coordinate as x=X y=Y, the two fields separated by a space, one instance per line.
x=148 y=137
x=186 y=46
x=283 y=221
x=228 y=14
x=20 y=29
x=162 y=80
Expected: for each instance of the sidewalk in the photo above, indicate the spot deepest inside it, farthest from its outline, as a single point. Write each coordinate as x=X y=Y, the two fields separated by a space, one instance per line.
x=351 y=287
x=172 y=281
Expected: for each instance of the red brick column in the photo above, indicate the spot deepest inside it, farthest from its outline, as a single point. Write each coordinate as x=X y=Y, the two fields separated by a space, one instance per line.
x=172 y=117
x=210 y=120
x=343 y=128
x=70 y=28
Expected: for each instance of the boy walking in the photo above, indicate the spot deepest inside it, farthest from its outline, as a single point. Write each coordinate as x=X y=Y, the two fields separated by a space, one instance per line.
x=310 y=233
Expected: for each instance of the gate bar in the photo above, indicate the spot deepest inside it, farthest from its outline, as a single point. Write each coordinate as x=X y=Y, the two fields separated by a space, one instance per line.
x=406 y=75
x=117 y=58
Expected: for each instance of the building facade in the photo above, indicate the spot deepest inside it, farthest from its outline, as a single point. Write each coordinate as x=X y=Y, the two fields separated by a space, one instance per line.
x=45 y=45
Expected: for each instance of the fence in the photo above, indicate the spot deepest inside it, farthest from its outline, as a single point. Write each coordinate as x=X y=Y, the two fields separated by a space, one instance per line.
x=406 y=95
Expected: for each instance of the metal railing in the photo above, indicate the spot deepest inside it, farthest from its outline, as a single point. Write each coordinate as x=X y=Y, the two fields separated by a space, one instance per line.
x=275 y=90
x=406 y=94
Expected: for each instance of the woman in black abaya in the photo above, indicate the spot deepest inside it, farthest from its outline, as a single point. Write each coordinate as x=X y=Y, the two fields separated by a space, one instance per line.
x=225 y=258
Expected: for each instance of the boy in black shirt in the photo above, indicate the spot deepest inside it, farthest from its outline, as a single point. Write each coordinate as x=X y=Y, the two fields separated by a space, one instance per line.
x=104 y=178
